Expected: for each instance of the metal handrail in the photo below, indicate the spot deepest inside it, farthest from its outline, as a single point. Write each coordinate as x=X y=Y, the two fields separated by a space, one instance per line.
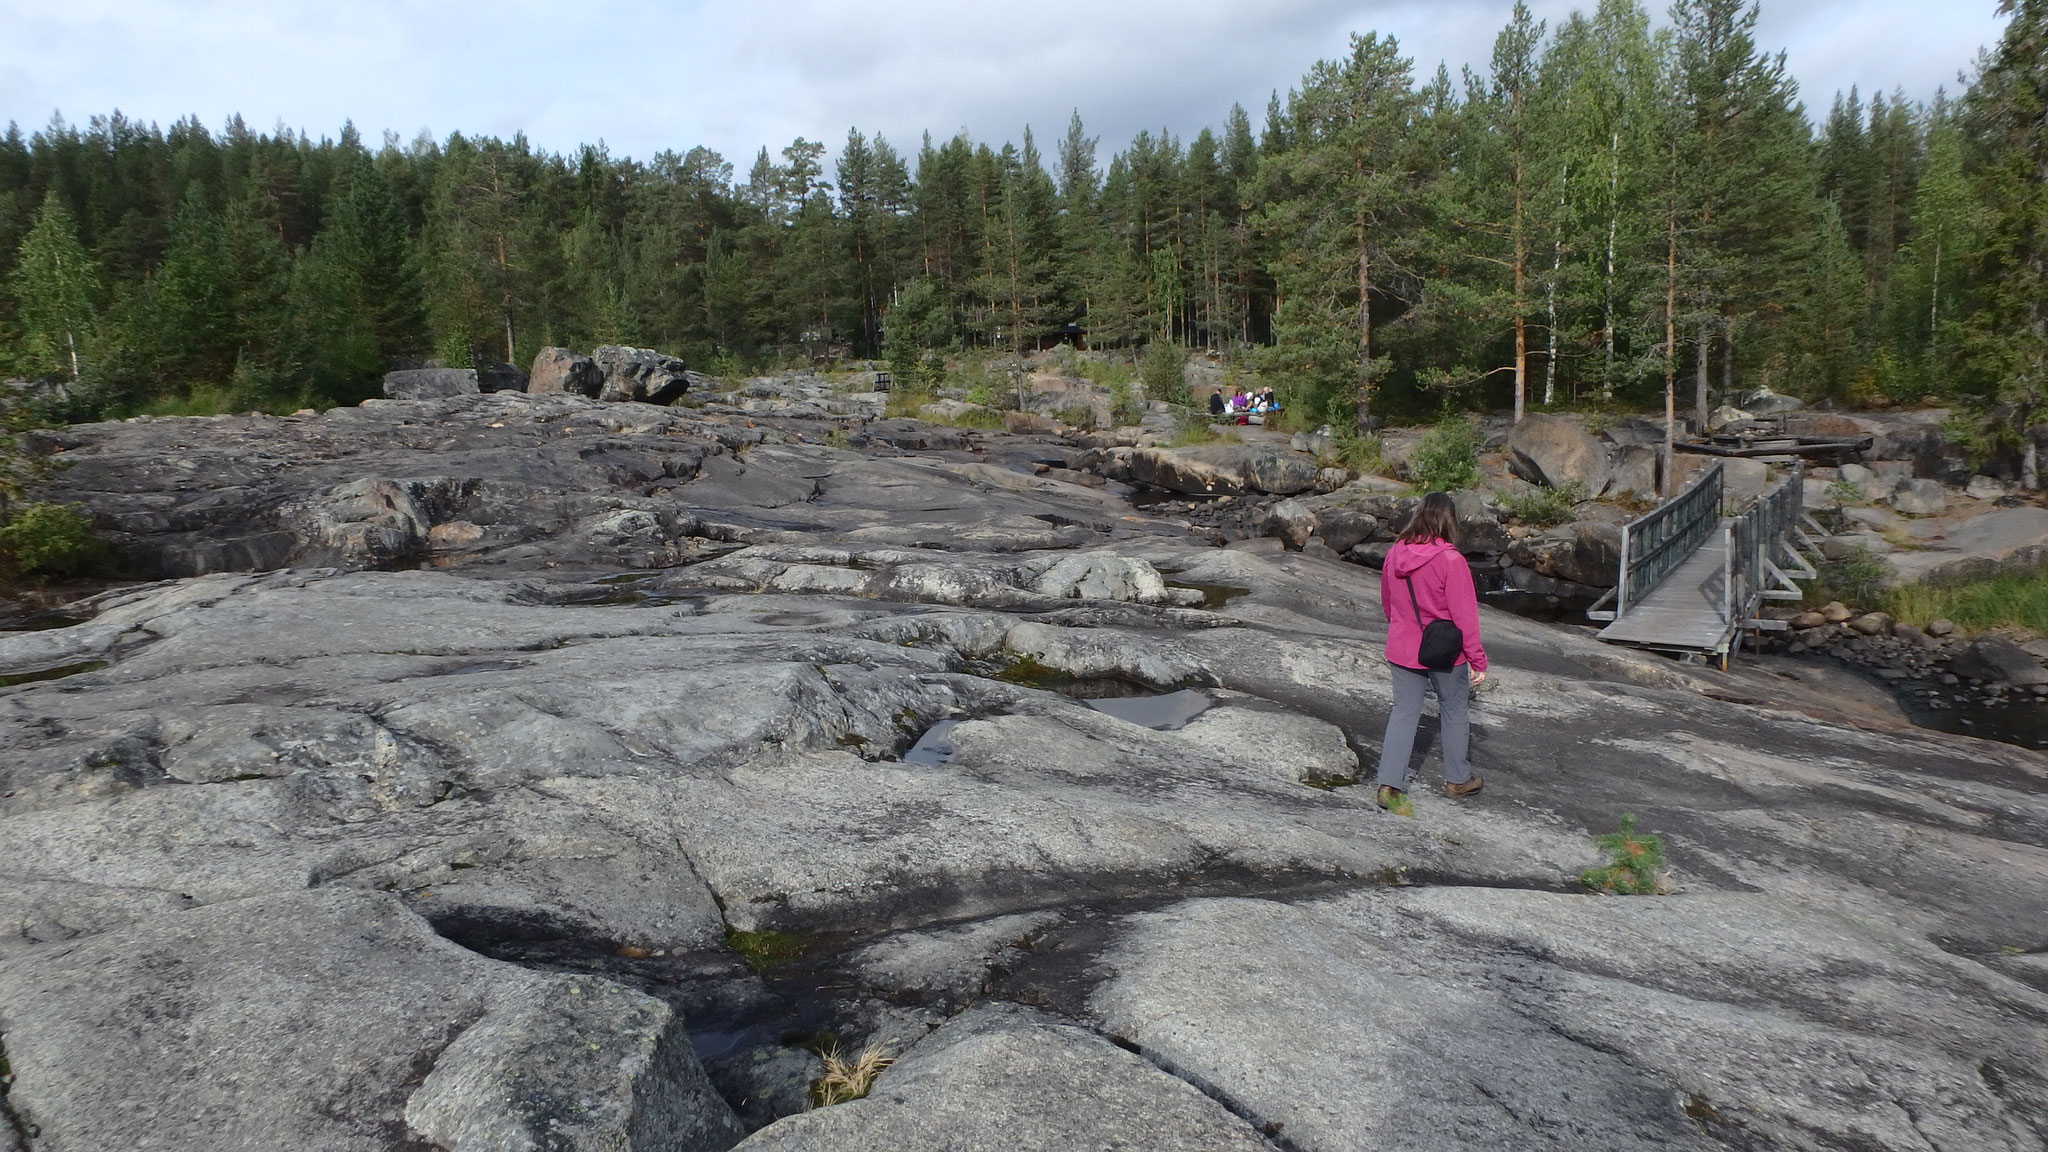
x=1655 y=544
x=1753 y=539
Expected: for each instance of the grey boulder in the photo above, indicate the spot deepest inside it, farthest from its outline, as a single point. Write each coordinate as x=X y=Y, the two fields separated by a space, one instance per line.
x=430 y=383
x=1998 y=659
x=640 y=374
x=1556 y=451
x=560 y=370
x=1920 y=498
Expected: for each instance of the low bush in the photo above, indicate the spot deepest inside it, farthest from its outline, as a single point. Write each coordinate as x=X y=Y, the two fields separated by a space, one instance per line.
x=1857 y=579
x=1635 y=865
x=1363 y=454
x=41 y=540
x=1545 y=507
x=1448 y=456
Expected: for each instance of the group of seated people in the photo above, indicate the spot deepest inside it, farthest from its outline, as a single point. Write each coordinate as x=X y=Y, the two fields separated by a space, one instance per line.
x=1246 y=408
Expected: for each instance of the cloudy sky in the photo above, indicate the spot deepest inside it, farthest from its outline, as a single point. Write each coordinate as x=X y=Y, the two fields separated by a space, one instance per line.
x=733 y=75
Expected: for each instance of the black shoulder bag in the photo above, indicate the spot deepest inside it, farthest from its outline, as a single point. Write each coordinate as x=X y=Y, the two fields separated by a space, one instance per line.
x=1442 y=641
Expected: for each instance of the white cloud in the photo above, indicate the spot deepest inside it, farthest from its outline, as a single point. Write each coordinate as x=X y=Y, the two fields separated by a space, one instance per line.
x=651 y=74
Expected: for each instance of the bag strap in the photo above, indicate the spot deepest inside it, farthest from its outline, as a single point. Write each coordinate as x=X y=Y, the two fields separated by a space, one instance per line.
x=1412 y=603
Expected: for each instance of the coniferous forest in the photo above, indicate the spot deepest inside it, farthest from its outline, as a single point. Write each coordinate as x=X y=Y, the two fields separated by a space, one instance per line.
x=1610 y=207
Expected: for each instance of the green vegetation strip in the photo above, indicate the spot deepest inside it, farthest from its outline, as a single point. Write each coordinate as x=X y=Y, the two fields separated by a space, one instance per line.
x=2007 y=600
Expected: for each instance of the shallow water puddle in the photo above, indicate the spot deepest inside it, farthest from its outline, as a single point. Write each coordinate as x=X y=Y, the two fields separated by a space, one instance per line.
x=1164 y=713
x=934 y=747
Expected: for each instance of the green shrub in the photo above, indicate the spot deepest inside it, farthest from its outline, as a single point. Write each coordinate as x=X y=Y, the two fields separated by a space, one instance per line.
x=1635 y=864
x=49 y=540
x=1125 y=406
x=1545 y=507
x=1448 y=457
x=1162 y=372
x=1857 y=579
x=1362 y=454
x=1081 y=416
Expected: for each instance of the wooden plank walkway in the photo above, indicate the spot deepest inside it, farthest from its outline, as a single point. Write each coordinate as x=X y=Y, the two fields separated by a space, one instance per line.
x=1683 y=612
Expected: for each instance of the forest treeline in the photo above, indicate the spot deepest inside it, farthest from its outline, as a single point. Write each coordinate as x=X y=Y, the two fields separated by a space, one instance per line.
x=1608 y=209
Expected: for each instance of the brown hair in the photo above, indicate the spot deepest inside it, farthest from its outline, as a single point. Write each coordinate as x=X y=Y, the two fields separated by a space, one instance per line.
x=1436 y=518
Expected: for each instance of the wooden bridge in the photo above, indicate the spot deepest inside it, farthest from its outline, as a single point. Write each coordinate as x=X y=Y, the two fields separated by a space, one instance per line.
x=1693 y=579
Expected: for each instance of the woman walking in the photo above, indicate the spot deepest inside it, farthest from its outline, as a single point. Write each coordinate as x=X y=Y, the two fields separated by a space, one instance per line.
x=1426 y=579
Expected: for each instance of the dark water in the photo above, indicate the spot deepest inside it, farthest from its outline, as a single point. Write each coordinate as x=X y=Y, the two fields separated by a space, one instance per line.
x=1213 y=595
x=1164 y=713
x=51 y=673
x=1145 y=497
x=2023 y=721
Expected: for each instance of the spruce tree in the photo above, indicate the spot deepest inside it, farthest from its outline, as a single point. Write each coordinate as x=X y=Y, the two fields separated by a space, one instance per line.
x=54 y=282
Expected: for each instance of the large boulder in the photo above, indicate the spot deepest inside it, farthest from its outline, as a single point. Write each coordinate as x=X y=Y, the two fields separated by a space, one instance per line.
x=498 y=376
x=1920 y=498
x=1556 y=451
x=1584 y=553
x=1479 y=527
x=560 y=370
x=430 y=383
x=1224 y=469
x=1998 y=659
x=1635 y=472
x=640 y=374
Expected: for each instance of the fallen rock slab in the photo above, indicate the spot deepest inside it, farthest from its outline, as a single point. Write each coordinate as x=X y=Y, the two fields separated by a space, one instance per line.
x=307 y=1021
x=1000 y=1077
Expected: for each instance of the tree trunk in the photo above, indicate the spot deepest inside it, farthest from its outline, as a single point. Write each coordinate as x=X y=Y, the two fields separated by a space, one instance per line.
x=1728 y=361
x=1699 y=391
x=1362 y=412
x=71 y=346
x=1670 y=352
x=1607 y=288
x=1521 y=319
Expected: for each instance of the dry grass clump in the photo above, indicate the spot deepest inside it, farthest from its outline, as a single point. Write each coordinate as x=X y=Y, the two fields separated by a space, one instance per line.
x=846 y=1079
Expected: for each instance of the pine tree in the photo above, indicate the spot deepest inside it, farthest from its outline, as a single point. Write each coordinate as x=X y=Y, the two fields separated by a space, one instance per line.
x=1342 y=208
x=2006 y=339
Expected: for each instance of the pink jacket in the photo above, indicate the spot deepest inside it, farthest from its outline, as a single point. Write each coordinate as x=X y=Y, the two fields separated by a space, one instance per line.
x=1443 y=587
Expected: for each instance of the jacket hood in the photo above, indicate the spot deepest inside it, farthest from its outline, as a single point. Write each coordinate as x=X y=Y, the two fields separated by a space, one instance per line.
x=1407 y=559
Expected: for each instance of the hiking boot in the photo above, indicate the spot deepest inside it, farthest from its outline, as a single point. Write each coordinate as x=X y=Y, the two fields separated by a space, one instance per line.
x=1466 y=789
x=1394 y=800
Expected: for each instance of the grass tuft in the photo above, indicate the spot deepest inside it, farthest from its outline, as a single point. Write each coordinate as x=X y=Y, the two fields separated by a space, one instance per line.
x=1635 y=866
x=846 y=1079
x=2012 y=599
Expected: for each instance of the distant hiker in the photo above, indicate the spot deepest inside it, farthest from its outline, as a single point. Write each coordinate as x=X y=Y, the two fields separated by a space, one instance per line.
x=1216 y=404
x=1433 y=641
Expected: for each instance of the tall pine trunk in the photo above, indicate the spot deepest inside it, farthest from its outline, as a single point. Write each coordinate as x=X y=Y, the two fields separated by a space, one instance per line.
x=1699 y=389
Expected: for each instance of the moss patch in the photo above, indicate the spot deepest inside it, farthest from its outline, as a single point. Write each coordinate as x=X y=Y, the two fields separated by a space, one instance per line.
x=769 y=949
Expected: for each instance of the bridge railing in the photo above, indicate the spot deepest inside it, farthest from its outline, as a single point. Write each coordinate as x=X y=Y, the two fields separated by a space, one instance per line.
x=1655 y=544
x=1754 y=540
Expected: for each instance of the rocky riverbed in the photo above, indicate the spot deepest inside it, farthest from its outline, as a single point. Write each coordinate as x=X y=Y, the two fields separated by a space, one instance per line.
x=529 y=771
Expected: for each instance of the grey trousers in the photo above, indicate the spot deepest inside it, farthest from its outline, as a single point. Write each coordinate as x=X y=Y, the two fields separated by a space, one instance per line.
x=1453 y=693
